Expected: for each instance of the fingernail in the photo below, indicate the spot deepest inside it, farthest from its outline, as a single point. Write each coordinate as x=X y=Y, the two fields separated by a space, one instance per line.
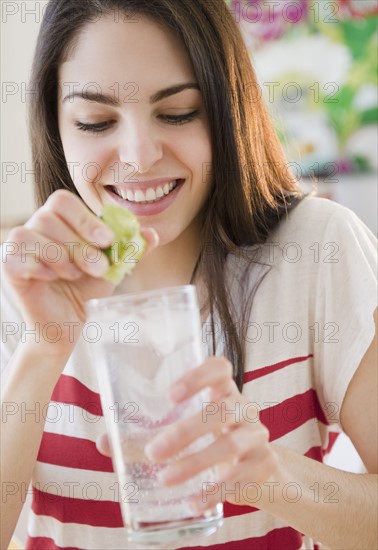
x=216 y=395
x=153 y=235
x=156 y=238
x=169 y=474
x=155 y=448
x=99 y=267
x=178 y=392
x=103 y=236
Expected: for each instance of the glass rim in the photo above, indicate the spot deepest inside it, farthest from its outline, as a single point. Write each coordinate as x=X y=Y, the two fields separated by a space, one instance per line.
x=97 y=303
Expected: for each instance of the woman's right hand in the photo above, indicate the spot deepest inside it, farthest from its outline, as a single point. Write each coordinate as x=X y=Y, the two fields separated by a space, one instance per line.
x=57 y=264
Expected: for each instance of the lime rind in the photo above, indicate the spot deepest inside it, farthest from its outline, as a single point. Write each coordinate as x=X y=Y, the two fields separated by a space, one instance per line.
x=128 y=245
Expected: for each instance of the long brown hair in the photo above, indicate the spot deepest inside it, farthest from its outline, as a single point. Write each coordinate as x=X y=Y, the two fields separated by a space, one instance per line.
x=251 y=186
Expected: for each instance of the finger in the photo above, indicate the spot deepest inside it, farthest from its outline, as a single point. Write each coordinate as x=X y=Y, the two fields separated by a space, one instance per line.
x=257 y=466
x=103 y=446
x=216 y=372
x=86 y=256
x=215 y=417
x=222 y=390
x=34 y=253
x=69 y=259
x=28 y=269
x=53 y=227
x=72 y=210
x=231 y=447
x=84 y=223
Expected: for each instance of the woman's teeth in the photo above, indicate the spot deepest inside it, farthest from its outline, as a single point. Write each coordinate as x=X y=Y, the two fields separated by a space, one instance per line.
x=150 y=195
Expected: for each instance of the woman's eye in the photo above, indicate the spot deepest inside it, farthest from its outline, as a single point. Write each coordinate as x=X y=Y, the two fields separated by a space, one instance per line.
x=179 y=119
x=93 y=128
x=99 y=127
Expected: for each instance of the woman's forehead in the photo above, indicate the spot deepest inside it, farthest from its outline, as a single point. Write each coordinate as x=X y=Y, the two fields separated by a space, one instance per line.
x=143 y=52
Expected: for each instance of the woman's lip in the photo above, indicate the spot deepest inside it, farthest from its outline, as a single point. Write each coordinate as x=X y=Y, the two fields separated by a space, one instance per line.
x=146 y=209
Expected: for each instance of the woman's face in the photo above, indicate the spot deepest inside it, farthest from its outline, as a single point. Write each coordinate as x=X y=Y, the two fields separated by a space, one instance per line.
x=133 y=126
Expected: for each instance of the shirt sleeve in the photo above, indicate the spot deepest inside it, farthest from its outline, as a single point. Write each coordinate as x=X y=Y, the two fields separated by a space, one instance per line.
x=346 y=298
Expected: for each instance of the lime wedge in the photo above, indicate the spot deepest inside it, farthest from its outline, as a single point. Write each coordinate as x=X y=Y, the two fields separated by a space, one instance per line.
x=128 y=245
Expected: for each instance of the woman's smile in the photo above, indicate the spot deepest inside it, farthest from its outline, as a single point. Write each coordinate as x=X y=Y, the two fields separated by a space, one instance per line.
x=146 y=198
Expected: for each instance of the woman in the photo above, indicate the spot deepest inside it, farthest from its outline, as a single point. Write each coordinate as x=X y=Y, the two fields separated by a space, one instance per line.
x=145 y=104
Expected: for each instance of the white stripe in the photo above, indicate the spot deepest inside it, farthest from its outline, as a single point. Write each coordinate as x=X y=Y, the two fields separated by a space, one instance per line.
x=258 y=524
x=76 y=483
x=73 y=421
x=308 y=544
x=80 y=366
x=78 y=535
x=275 y=387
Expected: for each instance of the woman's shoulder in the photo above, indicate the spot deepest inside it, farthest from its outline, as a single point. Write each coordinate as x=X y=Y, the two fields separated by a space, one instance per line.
x=318 y=221
x=314 y=234
x=317 y=215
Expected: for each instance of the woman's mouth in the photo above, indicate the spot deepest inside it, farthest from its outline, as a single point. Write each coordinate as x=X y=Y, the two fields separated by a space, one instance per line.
x=149 y=195
x=147 y=201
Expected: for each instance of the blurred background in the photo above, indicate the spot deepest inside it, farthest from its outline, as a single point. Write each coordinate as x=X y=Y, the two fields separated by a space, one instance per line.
x=316 y=62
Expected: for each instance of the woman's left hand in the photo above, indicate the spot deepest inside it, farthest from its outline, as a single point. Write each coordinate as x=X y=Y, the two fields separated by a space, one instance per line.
x=241 y=451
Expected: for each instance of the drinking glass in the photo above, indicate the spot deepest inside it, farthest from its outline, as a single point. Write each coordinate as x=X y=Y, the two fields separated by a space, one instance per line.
x=147 y=341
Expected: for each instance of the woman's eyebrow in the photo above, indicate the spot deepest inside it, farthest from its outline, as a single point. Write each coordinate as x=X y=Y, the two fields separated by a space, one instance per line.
x=173 y=90
x=112 y=100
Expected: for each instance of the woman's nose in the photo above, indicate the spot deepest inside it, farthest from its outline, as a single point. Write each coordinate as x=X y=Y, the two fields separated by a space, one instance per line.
x=140 y=146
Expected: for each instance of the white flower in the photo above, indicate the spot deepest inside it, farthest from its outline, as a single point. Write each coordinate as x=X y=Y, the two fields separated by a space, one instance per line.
x=307 y=59
x=366 y=97
x=311 y=139
x=364 y=143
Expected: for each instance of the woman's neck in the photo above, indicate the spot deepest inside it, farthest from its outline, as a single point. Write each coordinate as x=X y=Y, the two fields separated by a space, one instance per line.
x=167 y=265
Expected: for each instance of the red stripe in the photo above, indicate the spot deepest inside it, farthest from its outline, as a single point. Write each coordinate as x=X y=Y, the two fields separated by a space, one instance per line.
x=285 y=538
x=69 y=390
x=98 y=513
x=332 y=436
x=44 y=543
x=72 y=452
x=316 y=453
x=287 y=416
x=252 y=375
x=81 y=453
x=231 y=510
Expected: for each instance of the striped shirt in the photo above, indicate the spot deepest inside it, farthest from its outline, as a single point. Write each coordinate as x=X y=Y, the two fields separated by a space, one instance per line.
x=311 y=323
